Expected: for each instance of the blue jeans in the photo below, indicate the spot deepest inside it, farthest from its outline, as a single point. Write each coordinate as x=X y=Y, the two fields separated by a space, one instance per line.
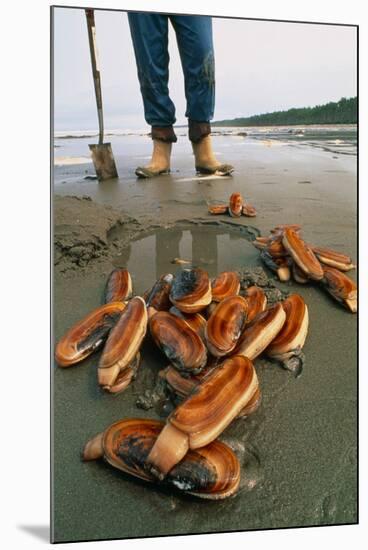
x=194 y=37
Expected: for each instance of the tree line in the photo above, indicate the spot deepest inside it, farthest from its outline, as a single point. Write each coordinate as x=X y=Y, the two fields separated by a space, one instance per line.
x=344 y=111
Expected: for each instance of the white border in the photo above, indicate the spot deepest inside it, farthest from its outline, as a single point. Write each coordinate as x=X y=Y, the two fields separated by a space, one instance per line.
x=25 y=267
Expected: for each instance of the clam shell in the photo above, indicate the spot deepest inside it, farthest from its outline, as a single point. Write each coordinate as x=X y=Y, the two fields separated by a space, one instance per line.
x=294 y=331
x=260 y=333
x=125 y=376
x=281 y=228
x=216 y=401
x=212 y=472
x=195 y=321
x=341 y=287
x=87 y=335
x=235 y=205
x=181 y=345
x=207 y=411
x=218 y=209
x=182 y=386
x=302 y=254
x=256 y=300
x=280 y=266
x=332 y=258
x=158 y=297
x=225 y=325
x=226 y=284
x=276 y=249
x=123 y=342
x=298 y=274
x=191 y=290
x=119 y=286
x=260 y=242
x=249 y=210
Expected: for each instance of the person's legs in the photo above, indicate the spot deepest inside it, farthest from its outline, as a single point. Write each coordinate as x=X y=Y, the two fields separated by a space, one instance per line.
x=149 y=33
x=195 y=43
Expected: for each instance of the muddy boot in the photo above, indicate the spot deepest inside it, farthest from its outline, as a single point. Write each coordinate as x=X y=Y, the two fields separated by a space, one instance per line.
x=160 y=161
x=205 y=160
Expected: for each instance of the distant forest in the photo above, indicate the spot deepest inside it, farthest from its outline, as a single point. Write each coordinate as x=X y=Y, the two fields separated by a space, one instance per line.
x=344 y=111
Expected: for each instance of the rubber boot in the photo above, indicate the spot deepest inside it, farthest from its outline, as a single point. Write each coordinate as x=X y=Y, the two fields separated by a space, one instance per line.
x=205 y=160
x=160 y=161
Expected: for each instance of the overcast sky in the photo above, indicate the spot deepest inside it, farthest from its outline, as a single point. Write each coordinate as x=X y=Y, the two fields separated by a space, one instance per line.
x=261 y=66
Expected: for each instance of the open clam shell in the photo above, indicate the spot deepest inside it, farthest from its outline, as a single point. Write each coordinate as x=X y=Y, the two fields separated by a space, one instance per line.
x=212 y=472
x=87 y=335
x=294 y=331
x=256 y=300
x=224 y=285
x=235 y=205
x=258 y=335
x=207 y=411
x=191 y=290
x=158 y=297
x=341 y=287
x=302 y=254
x=181 y=345
x=123 y=342
x=118 y=286
x=217 y=208
x=225 y=325
x=332 y=258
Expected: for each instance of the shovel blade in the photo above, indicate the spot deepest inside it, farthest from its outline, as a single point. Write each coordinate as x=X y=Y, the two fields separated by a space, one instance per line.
x=103 y=161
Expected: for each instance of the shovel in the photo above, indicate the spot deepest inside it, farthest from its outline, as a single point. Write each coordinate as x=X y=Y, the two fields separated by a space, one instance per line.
x=102 y=156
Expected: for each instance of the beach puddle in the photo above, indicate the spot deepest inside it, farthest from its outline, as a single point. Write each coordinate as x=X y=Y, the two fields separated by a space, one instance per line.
x=160 y=251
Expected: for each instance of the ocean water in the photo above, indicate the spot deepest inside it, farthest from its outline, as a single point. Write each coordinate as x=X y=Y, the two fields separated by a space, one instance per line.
x=72 y=147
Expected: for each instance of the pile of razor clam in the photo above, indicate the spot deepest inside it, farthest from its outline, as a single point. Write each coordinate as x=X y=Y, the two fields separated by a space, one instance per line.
x=209 y=334
x=288 y=255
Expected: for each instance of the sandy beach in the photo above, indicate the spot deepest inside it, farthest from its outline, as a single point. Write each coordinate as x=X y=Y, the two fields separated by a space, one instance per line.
x=299 y=450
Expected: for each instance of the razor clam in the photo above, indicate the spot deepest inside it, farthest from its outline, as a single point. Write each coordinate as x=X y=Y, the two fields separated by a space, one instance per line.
x=158 y=297
x=195 y=321
x=180 y=387
x=256 y=300
x=298 y=274
x=287 y=345
x=119 y=286
x=280 y=266
x=191 y=290
x=207 y=411
x=249 y=210
x=123 y=342
x=125 y=376
x=302 y=254
x=87 y=335
x=225 y=325
x=218 y=209
x=235 y=205
x=260 y=333
x=181 y=345
x=224 y=285
x=332 y=258
x=210 y=472
x=341 y=287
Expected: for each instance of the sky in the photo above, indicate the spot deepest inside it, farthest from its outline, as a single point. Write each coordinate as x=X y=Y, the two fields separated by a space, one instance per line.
x=261 y=66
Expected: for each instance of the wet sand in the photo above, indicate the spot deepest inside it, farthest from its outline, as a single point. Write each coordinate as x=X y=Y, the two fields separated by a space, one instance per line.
x=298 y=451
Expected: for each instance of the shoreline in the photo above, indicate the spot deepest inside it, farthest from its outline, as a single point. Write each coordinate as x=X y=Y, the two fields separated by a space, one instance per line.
x=300 y=447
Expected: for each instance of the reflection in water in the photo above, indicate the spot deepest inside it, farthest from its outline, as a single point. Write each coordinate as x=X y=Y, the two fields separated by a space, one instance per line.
x=215 y=249
x=204 y=248
x=167 y=246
